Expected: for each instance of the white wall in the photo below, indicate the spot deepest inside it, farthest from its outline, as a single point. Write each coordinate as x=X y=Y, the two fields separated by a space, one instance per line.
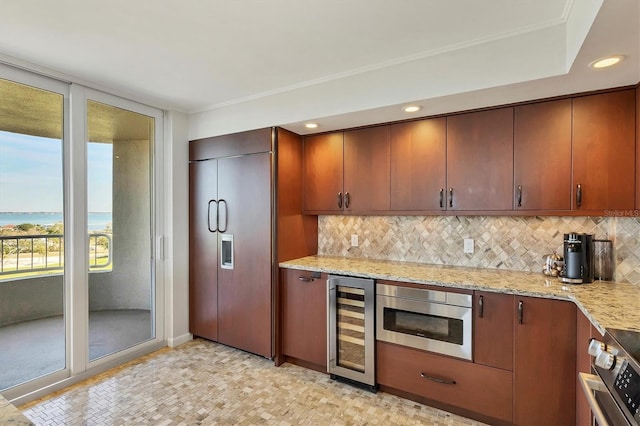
x=177 y=224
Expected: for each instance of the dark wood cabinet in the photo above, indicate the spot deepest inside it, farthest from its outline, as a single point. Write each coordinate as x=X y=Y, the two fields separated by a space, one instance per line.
x=304 y=318
x=445 y=380
x=544 y=371
x=637 y=146
x=323 y=173
x=480 y=160
x=542 y=156
x=493 y=318
x=347 y=171
x=418 y=165
x=604 y=151
x=366 y=170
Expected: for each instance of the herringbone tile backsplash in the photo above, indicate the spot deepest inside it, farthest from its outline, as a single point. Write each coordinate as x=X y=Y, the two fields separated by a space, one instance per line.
x=513 y=243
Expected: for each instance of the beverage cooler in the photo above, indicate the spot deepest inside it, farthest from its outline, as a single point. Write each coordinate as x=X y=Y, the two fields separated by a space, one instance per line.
x=351 y=328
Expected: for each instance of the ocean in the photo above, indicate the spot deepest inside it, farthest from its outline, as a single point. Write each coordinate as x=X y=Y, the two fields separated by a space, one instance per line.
x=97 y=221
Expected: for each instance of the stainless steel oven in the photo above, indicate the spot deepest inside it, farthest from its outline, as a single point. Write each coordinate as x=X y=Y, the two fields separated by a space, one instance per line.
x=613 y=391
x=433 y=320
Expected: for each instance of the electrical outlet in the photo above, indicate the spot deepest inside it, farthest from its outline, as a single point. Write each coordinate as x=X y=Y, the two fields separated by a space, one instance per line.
x=354 y=240
x=468 y=246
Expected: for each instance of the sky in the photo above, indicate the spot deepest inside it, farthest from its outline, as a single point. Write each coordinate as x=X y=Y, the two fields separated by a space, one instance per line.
x=31 y=174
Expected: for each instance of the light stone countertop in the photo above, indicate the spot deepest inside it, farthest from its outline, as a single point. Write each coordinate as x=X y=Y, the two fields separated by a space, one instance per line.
x=606 y=304
x=10 y=415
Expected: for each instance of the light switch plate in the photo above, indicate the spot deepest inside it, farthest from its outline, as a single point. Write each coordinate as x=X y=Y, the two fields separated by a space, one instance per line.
x=468 y=246
x=354 y=240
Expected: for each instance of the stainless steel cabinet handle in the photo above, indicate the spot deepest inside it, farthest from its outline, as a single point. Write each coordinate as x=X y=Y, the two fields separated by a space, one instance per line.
x=579 y=195
x=450 y=197
x=441 y=197
x=347 y=199
x=220 y=229
x=305 y=279
x=339 y=200
x=519 y=196
x=437 y=379
x=209 y=216
x=591 y=383
x=520 y=312
x=481 y=306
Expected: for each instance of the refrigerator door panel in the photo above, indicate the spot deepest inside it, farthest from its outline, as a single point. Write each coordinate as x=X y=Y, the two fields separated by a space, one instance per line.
x=244 y=292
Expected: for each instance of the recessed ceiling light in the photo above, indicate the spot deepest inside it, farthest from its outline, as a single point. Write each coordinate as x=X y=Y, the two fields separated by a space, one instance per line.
x=311 y=125
x=411 y=108
x=607 y=61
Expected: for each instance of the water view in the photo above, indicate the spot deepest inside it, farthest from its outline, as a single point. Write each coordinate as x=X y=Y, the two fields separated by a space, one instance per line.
x=97 y=221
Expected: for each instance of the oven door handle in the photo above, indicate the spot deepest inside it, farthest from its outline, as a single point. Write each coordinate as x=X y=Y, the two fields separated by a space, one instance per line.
x=591 y=383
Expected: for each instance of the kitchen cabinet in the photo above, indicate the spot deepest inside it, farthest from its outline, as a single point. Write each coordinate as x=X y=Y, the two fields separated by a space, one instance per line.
x=323 y=167
x=604 y=151
x=444 y=380
x=480 y=160
x=418 y=165
x=638 y=145
x=493 y=318
x=584 y=332
x=232 y=280
x=544 y=371
x=304 y=318
x=542 y=156
x=347 y=171
x=366 y=170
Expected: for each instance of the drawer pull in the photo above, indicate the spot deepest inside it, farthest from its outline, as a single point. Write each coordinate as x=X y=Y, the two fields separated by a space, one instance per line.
x=438 y=379
x=305 y=279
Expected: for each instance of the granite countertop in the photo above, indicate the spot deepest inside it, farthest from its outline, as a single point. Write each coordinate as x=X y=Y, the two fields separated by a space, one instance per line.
x=10 y=415
x=606 y=304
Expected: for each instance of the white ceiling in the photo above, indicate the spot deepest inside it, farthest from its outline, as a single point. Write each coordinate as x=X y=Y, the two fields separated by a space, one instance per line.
x=243 y=64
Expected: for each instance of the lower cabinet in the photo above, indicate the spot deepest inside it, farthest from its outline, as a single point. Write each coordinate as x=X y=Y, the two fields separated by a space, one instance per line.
x=544 y=362
x=303 y=298
x=463 y=384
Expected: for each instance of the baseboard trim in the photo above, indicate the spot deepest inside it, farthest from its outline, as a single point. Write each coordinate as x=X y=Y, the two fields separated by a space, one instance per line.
x=177 y=341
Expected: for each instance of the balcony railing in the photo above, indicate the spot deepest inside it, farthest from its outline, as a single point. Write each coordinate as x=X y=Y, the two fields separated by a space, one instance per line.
x=41 y=253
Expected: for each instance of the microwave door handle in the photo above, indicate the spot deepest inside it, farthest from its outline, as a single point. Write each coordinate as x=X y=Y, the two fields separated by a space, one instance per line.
x=591 y=383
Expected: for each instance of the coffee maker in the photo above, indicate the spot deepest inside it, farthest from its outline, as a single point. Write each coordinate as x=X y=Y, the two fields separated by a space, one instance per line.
x=578 y=258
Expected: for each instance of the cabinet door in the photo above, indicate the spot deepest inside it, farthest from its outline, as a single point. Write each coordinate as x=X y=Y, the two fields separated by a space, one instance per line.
x=604 y=151
x=544 y=362
x=366 y=170
x=542 y=156
x=323 y=167
x=203 y=250
x=244 y=290
x=480 y=160
x=304 y=316
x=493 y=329
x=584 y=332
x=418 y=165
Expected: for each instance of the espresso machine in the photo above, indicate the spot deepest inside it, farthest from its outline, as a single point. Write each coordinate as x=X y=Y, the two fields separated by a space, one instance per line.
x=578 y=258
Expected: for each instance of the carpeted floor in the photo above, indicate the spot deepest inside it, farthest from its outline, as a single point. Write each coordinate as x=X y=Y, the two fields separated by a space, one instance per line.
x=205 y=383
x=32 y=349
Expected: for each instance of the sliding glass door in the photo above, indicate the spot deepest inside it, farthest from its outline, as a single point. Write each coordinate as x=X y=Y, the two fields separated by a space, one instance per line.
x=32 y=293
x=81 y=278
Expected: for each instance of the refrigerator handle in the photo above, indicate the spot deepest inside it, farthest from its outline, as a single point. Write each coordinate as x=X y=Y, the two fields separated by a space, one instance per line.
x=331 y=325
x=222 y=216
x=209 y=221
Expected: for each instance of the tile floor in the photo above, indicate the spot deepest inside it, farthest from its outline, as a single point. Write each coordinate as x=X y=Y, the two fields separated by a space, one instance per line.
x=204 y=383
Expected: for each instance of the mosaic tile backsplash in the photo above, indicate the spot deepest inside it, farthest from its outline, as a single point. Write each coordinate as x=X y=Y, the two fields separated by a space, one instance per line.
x=512 y=243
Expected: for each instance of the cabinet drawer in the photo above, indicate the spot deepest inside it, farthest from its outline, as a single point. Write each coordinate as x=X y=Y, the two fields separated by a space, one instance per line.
x=478 y=388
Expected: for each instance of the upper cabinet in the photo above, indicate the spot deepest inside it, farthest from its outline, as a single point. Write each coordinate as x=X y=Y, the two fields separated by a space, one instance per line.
x=418 y=165
x=480 y=160
x=366 y=170
x=542 y=156
x=323 y=172
x=572 y=156
x=604 y=151
x=347 y=171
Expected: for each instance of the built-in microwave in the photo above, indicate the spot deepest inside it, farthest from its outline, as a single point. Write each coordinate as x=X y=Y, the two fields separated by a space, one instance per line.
x=432 y=320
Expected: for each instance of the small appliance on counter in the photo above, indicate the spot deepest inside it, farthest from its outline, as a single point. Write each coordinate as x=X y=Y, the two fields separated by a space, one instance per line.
x=578 y=258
